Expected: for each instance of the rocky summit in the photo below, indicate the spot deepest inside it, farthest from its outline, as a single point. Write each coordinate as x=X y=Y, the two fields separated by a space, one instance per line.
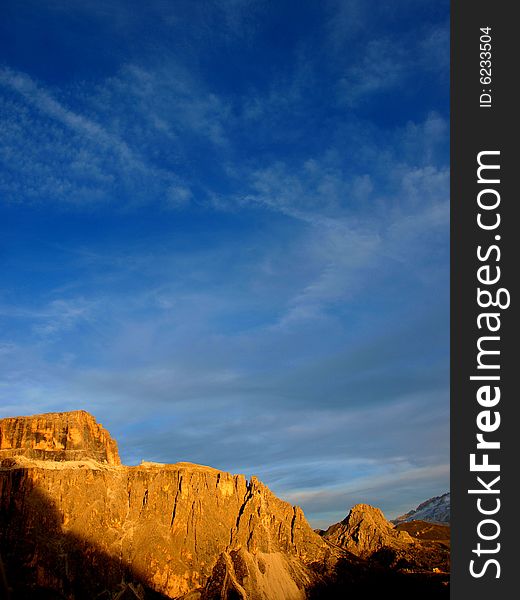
x=415 y=545
x=365 y=531
x=65 y=436
x=76 y=524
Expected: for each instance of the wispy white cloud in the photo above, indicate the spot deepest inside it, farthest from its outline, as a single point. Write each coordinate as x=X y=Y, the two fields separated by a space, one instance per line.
x=42 y=100
x=56 y=317
x=356 y=223
x=391 y=62
x=382 y=68
x=166 y=100
x=60 y=154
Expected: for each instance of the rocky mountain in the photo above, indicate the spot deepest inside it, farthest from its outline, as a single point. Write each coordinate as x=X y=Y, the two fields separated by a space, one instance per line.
x=67 y=436
x=365 y=531
x=434 y=510
x=414 y=546
x=76 y=524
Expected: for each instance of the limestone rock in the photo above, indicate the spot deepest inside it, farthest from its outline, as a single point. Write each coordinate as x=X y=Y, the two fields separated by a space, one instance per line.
x=414 y=546
x=81 y=527
x=365 y=531
x=62 y=436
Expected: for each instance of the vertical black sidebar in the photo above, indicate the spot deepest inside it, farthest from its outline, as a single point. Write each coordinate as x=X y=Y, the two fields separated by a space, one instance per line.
x=485 y=268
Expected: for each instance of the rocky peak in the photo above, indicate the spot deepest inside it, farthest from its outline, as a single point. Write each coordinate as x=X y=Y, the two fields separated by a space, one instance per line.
x=364 y=514
x=417 y=546
x=365 y=531
x=61 y=436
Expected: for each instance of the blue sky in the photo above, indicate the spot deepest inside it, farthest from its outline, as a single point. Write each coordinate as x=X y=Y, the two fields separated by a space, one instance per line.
x=224 y=232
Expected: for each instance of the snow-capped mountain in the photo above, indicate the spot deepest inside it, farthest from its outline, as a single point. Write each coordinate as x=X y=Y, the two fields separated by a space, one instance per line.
x=434 y=510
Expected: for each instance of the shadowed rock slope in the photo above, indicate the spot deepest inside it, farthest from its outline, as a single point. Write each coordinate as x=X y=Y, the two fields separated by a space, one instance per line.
x=76 y=524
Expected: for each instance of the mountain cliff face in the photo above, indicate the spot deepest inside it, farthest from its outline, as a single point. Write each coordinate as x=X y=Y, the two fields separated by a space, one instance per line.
x=64 y=436
x=173 y=529
x=75 y=524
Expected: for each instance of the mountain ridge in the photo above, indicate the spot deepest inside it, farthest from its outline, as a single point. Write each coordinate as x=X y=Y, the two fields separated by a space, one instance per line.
x=79 y=525
x=433 y=510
